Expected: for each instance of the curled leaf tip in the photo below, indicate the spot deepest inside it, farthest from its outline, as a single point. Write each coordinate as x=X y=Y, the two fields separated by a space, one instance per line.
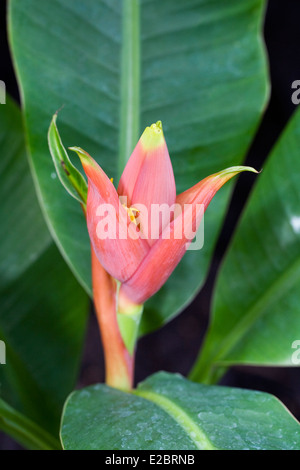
x=58 y=111
x=83 y=155
x=234 y=170
x=251 y=169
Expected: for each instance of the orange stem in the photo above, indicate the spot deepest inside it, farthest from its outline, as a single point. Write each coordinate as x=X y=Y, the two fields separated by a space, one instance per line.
x=119 y=364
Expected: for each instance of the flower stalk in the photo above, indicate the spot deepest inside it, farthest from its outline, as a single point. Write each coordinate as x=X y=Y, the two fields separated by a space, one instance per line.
x=119 y=362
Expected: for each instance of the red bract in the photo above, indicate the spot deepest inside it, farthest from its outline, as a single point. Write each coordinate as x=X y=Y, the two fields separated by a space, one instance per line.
x=138 y=249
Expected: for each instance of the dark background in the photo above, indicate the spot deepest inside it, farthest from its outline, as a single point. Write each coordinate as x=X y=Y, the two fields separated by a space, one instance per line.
x=175 y=346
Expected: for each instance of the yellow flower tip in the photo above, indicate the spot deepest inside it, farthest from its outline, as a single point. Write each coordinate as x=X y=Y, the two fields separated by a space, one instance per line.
x=153 y=136
x=126 y=306
x=157 y=127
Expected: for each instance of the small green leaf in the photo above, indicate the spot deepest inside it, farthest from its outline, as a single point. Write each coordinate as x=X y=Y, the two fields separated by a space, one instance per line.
x=168 y=412
x=70 y=177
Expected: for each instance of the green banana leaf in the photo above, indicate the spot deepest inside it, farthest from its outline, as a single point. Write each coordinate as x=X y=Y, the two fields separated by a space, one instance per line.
x=43 y=309
x=198 y=66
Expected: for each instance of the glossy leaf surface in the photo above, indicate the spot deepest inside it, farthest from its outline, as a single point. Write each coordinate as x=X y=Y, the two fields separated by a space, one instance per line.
x=158 y=416
x=256 y=309
x=119 y=66
x=43 y=310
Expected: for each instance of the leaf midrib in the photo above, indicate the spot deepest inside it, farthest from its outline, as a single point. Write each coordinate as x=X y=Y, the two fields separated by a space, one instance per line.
x=130 y=82
x=195 y=434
